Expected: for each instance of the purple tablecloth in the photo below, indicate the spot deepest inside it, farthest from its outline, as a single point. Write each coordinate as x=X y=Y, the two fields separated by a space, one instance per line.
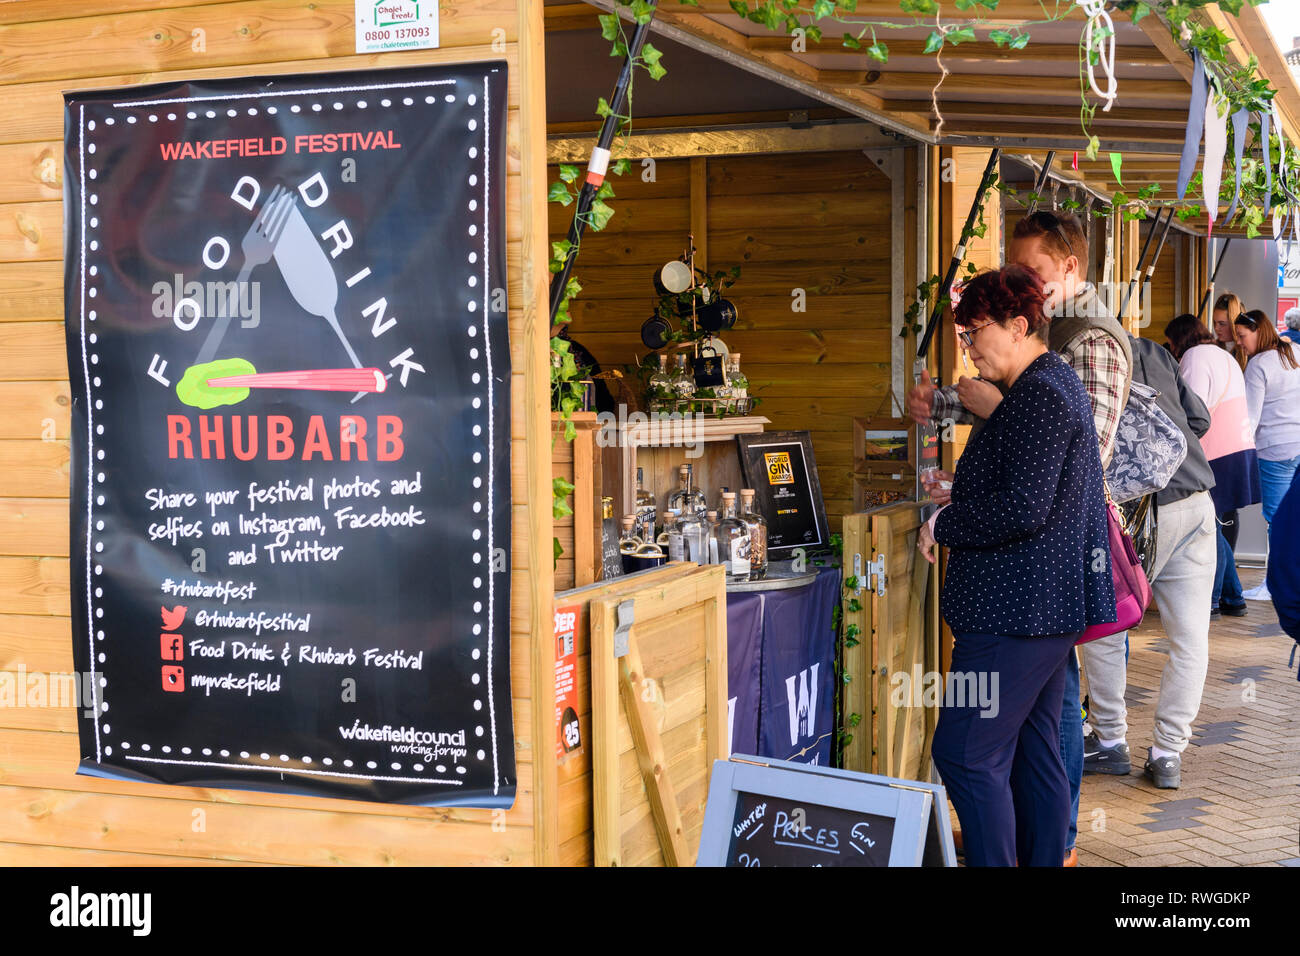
x=780 y=671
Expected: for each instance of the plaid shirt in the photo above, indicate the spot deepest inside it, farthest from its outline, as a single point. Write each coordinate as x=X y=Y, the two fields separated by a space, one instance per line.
x=1099 y=362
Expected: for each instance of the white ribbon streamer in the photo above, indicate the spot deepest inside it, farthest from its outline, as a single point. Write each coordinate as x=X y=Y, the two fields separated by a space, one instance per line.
x=1095 y=10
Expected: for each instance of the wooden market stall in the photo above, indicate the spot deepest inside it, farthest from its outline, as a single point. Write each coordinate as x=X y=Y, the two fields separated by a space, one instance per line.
x=49 y=815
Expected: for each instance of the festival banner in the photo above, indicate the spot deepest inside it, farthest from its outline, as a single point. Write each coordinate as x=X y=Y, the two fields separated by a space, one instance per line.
x=287 y=346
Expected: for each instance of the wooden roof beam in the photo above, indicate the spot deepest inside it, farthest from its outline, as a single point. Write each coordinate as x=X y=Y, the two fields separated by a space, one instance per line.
x=986 y=51
x=898 y=83
x=1008 y=11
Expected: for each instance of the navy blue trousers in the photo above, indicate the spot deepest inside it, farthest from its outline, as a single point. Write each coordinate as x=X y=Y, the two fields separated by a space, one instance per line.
x=1001 y=760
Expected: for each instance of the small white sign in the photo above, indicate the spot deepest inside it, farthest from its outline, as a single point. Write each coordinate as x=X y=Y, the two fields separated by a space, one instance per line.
x=384 y=25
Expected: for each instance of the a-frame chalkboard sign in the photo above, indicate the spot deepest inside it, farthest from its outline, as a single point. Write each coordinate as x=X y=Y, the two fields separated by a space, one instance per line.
x=764 y=812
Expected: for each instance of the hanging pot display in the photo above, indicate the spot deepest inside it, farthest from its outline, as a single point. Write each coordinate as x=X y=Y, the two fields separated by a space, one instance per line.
x=707 y=368
x=654 y=332
x=673 y=278
x=718 y=316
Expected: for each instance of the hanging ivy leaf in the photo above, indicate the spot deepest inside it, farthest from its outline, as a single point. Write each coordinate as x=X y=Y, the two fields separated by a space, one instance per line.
x=569 y=172
x=621 y=166
x=1094 y=146
x=960 y=35
x=560 y=193
x=651 y=57
x=823 y=8
x=934 y=42
x=878 y=51
x=600 y=214
x=852 y=42
x=922 y=7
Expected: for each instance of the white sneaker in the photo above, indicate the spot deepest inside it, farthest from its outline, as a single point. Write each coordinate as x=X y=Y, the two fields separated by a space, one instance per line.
x=1258 y=594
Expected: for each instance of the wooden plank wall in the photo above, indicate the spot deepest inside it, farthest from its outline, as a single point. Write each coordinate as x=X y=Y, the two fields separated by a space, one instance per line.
x=819 y=222
x=48 y=815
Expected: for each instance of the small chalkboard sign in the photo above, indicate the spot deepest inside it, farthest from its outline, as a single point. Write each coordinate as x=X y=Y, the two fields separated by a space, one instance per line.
x=776 y=813
x=781 y=469
x=611 y=557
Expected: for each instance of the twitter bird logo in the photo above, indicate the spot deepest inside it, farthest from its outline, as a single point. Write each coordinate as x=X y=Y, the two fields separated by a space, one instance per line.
x=174 y=618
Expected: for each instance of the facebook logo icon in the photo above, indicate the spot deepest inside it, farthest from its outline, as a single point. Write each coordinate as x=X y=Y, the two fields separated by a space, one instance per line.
x=171 y=647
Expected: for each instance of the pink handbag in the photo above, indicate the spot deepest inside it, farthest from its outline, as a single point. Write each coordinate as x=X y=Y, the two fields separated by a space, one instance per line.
x=1132 y=590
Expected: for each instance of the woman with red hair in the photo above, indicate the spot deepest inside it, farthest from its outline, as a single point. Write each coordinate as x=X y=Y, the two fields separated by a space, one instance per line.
x=1028 y=572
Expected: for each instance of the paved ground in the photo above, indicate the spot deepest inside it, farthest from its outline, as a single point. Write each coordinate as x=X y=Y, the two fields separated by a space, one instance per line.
x=1239 y=803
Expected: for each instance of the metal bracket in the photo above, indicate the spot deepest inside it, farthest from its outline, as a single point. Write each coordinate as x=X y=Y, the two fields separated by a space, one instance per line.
x=876 y=569
x=626 y=616
x=857 y=573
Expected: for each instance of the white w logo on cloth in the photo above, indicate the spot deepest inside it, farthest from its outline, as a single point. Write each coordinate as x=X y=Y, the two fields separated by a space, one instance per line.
x=803 y=712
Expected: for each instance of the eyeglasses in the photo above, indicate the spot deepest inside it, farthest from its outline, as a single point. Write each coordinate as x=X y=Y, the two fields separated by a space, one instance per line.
x=968 y=337
x=1048 y=220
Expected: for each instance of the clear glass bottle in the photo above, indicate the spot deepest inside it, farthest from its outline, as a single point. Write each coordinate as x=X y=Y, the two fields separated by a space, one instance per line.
x=629 y=541
x=737 y=384
x=645 y=509
x=710 y=542
x=686 y=499
x=671 y=538
x=757 y=525
x=662 y=392
x=730 y=537
x=695 y=537
x=683 y=381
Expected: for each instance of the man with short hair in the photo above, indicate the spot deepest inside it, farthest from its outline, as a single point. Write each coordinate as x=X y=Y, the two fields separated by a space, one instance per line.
x=1096 y=346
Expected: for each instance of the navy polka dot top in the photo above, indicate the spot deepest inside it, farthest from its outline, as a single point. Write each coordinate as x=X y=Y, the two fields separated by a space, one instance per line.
x=1026 y=529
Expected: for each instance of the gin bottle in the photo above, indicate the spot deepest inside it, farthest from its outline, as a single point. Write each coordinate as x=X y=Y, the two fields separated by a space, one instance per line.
x=671 y=538
x=662 y=393
x=686 y=499
x=731 y=541
x=645 y=509
x=683 y=381
x=629 y=541
x=737 y=384
x=710 y=542
x=757 y=525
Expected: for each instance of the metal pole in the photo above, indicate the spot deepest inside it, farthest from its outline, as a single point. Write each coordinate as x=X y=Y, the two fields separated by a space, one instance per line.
x=1137 y=267
x=1205 y=299
x=1041 y=182
x=599 y=161
x=936 y=314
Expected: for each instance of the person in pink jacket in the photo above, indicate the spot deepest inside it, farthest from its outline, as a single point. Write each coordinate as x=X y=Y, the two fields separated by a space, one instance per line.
x=1215 y=376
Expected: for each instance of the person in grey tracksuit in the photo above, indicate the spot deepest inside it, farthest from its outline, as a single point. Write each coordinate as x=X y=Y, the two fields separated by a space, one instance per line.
x=1181 y=579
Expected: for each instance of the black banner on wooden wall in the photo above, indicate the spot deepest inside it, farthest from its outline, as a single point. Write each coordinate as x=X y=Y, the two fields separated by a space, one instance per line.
x=287 y=343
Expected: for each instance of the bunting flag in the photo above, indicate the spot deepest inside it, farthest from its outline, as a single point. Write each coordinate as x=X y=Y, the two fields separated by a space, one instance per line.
x=1240 y=122
x=1264 y=117
x=1216 y=148
x=1195 y=124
